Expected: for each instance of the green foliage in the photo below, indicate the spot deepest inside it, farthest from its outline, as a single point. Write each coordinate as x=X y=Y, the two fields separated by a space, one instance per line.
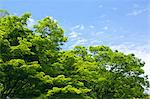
x=147 y=97
x=3 y=13
x=32 y=65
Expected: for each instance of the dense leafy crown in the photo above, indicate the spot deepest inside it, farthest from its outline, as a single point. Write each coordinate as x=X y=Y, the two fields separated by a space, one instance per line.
x=32 y=64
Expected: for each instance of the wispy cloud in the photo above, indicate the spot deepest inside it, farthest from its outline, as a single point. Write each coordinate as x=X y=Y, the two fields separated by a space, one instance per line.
x=105 y=27
x=78 y=27
x=135 y=5
x=96 y=42
x=78 y=41
x=137 y=12
x=82 y=27
x=100 y=6
x=99 y=33
x=92 y=26
x=75 y=27
x=30 y=23
x=103 y=15
x=82 y=41
x=114 y=8
x=73 y=35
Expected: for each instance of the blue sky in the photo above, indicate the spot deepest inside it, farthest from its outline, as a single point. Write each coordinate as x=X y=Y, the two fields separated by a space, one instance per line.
x=101 y=21
x=120 y=24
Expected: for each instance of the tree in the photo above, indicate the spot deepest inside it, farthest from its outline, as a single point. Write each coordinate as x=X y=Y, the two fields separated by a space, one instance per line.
x=32 y=64
x=27 y=58
x=109 y=74
x=3 y=13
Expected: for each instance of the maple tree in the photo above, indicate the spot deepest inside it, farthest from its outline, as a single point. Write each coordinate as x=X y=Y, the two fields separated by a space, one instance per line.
x=32 y=64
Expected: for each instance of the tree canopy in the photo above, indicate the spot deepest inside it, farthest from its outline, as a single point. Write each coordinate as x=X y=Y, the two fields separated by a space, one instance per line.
x=3 y=13
x=33 y=65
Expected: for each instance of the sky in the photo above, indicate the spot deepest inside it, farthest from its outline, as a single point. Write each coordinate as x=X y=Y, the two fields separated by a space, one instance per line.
x=121 y=24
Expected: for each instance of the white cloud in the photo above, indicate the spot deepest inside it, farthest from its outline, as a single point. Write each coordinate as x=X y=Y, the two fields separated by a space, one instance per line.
x=92 y=26
x=137 y=12
x=135 y=5
x=121 y=36
x=100 y=6
x=75 y=27
x=114 y=9
x=30 y=23
x=105 y=27
x=81 y=27
x=98 y=33
x=96 y=42
x=73 y=34
x=78 y=27
x=82 y=41
x=79 y=41
x=103 y=15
